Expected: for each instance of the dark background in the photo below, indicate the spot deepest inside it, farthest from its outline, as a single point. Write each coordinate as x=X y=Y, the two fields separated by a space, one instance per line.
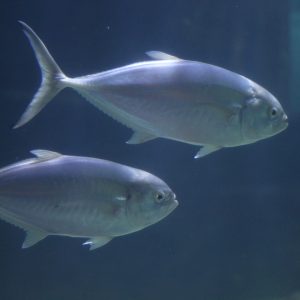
x=236 y=233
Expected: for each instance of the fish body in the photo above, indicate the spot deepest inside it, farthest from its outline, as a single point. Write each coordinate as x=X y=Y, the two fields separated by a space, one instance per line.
x=54 y=194
x=182 y=100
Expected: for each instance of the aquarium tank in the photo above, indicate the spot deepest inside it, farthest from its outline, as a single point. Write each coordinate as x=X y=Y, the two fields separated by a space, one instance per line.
x=220 y=74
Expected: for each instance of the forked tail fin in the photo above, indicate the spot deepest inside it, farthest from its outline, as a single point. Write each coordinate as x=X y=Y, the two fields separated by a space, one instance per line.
x=52 y=77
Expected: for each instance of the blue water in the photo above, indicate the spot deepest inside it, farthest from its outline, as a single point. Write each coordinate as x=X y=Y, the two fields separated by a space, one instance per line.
x=236 y=233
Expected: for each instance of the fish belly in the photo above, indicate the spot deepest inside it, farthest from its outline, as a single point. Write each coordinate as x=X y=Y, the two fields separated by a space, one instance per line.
x=168 y=117
x=53 y=216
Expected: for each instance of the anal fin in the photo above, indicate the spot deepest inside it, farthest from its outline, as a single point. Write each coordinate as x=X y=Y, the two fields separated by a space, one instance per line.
x=207 y=149
x=97 y=242
x=139 y=137
x=33 y=233
x=33 y=237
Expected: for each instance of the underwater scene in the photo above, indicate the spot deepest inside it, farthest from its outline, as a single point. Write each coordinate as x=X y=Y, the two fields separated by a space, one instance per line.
x=150 y=150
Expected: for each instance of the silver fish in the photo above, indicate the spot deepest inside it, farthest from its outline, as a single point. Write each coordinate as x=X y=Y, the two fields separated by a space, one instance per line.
x=54 y=194
x=171 y=98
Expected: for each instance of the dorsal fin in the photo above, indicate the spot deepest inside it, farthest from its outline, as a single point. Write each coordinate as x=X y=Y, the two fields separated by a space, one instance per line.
x=158 y=55
x=41 y=155
x=45 y=154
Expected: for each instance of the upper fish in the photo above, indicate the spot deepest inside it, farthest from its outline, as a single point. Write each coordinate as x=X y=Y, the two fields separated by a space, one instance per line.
x=172 y=98
x=54 y=194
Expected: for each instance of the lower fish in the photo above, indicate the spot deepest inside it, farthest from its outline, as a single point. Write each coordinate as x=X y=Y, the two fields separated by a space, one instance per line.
x=54 y=194
x=172 y=98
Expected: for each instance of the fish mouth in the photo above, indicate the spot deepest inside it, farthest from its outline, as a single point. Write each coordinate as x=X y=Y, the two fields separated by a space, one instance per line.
x=175 y=203
x=285 y=126
x=171 y=206
x=285 y=120
x=284 y=123
x=173 y=199
x=281 y=125
x=170 y=203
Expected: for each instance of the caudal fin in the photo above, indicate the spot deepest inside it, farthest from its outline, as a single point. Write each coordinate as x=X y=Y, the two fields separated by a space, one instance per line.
x=52 y=77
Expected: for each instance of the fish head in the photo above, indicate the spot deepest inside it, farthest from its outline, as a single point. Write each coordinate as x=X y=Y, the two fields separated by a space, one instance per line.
x=150 y=201
x=262 y=116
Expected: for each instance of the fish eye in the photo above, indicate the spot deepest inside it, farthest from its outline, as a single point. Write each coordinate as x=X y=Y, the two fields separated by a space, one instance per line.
x=159 y=197
x=274 y=112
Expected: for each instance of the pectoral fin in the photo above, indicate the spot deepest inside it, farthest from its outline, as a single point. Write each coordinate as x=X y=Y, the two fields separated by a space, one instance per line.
x=207 y=149
x=97 y=242
x=33 y=237
x=139 y=137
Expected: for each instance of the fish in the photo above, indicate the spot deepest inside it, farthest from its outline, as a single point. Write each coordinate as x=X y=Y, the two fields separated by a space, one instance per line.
x=73 y=196
x=168 y=97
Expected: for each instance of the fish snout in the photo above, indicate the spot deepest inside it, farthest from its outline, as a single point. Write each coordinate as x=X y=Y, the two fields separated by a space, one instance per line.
x=174 y=200
x=285 y=121
x=176 y=203
x=170 y=200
